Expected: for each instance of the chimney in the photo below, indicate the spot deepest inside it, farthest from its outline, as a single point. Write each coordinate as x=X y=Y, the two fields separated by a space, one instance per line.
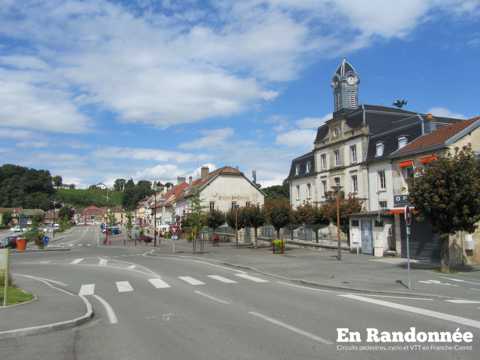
x=189 y=180
x=180 y=180
x=204 y=172
x=254 y=176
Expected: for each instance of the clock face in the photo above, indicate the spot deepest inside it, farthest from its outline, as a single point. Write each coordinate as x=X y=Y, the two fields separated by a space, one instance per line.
x=351 y=80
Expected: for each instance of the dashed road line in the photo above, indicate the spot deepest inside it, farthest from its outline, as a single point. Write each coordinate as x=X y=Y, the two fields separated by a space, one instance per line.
x=191 y=280
x=462 y=301
x=251 y=278
x=221 y=301
x=291 y=328
x=222 y=279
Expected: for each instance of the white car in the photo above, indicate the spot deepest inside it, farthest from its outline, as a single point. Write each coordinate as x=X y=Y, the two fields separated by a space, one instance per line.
x=17 y=228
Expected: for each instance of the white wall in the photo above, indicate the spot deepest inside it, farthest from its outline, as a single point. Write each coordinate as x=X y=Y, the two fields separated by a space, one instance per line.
x=375 y=194
x=303 y=184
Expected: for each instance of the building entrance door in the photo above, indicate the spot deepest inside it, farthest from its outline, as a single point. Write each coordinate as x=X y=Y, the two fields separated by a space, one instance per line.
x=367 y=237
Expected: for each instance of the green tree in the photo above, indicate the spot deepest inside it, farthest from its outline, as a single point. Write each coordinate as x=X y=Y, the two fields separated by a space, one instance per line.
x=57 y=181
x=277 y=191
x=7 y=217
x=215 y=219
x=66 y=212
x=278 y=214
x=129 y=224
x=446 y=194
x=313 y=217
x=24 y=187
x=348 y=205
x=111 y=218
x=196 y=218
x=119 y=185
x=254 y=217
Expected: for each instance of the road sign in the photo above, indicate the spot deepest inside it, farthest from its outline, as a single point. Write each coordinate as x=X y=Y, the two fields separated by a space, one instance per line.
x=400 y=200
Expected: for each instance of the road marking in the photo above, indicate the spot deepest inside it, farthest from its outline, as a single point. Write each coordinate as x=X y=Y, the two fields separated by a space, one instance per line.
x=42 y=279
x=103 y=262
x=159 y=283
x=87 y=289
x=131 y=267
x=191 y=280
x=461 y=301
x=45 y=261
x=89 y=245
x=291 y=328
x=303 y=287
x=112 y=317
x=221 y=301
x=462 y=280
x=417 y=310
x=77 y=261
x=436 y=282
x=71 y=245
x=399 y=297
x=222 y=279
x=124 y=286
x=251 y=278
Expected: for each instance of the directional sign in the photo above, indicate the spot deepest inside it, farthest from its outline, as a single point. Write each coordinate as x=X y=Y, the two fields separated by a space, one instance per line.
x=400 y=200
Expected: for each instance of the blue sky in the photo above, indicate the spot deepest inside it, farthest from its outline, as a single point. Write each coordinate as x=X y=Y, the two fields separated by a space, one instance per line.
x=95 y=90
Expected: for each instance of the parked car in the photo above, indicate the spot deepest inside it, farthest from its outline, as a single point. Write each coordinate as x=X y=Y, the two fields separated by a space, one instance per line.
x=17 y=228
x=10 y=242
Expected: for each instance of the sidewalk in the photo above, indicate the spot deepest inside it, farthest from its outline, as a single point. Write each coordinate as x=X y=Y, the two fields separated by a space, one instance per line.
x=321 y=267
x=51 y=306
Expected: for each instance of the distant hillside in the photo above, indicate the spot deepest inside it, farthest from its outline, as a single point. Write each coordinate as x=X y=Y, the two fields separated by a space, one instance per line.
x=81 y=198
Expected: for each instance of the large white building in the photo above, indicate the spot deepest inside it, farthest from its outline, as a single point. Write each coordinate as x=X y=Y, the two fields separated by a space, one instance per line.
x=352 y=151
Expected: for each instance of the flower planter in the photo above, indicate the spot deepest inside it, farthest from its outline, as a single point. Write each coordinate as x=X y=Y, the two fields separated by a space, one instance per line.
x=21 y=244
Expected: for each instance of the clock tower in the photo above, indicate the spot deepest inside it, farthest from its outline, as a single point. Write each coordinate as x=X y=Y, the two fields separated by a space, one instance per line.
x=345 y=86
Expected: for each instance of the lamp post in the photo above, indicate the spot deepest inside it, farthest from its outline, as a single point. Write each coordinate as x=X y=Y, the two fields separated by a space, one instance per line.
x=336 y=189
x=154 y=214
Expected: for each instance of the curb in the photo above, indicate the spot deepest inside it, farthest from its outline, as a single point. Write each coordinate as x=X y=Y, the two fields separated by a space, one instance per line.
x=40 y=250
x=35 y=298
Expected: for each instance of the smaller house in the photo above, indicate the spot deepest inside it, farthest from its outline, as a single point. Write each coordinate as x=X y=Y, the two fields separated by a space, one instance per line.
x=93 y=215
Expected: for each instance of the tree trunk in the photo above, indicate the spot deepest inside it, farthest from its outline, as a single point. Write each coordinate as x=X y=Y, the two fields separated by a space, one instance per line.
x=316 y=235
x=444 y=253
x=278 y=234
x=255 y=235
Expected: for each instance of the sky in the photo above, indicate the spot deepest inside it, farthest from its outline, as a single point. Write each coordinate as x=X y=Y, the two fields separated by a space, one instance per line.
x=96 y=90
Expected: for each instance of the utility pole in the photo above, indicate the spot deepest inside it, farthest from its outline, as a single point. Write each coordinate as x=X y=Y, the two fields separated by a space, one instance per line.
x=155 y=217
x=337 y=189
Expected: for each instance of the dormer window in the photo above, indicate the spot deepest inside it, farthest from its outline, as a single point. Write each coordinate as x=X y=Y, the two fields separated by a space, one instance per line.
x=297 y=170
x=379 y=147
x=336 y=132
x=402 y=141
x=308 y=165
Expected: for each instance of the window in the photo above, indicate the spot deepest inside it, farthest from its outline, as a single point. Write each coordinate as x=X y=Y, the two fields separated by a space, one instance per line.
x=323 y=160
x=308 y=165
x=324 y=187
x=402 y=141
x=354 y=183
x=298 y=192
x=336 y=132
x=353 y=153
x=297 y=170
x=309 y=191
x=337 y=181
x=379 y=147
x=379 y=223
x=355 y=223
x=337 y=157
x=247 y=203
x=382 y=204
x=382 y=181
x=234 y=204
x=212 y=205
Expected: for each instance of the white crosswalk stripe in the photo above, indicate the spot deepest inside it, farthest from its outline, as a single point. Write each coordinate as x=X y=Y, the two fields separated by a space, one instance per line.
x=103 y=262
x=77 y=261
x=222 y=279
x=251 y=278
x=87 y=289
x=158 y=283
x=191 y=280
x=124 y=286
x=462 y=301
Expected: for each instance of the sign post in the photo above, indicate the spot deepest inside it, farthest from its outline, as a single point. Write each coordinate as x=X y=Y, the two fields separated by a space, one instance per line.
x=4 y=270
x=408 y=222
x=174 y=237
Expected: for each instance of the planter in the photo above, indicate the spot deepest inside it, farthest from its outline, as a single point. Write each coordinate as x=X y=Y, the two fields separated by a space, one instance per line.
x=21 y=244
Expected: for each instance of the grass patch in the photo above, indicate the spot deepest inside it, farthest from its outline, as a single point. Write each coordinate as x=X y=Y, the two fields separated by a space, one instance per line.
x=15 y=295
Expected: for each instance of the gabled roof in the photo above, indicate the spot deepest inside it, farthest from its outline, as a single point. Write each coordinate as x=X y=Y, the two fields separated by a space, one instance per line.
x=174 y=193
x=436 y=139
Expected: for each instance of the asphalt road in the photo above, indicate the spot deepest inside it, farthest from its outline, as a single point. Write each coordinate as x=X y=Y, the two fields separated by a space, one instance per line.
x=180 y=307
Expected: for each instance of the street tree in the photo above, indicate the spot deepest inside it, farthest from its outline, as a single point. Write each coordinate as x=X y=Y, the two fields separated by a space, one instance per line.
x=446 y=194
x=196 y=219
x=57 y=181
x=348 y=205
x=215 y=219
x=312 y=217
x=254 y=217
x=129 y=224
x=66 y=212
x=278 y=214
x=119 y=185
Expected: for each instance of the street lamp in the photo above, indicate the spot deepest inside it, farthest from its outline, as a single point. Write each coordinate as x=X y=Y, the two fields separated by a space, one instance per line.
x=337 y=188
x=155 y=188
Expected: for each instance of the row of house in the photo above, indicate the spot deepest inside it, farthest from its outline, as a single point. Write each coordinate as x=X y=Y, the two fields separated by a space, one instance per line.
x=370 y=152
x=221 y=189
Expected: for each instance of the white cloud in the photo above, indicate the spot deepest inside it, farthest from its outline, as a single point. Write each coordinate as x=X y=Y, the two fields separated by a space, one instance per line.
x=296 y=138
x=209 y=139
x=313 y=122
x=145 y=154
x=14 y=134
x=444 y=112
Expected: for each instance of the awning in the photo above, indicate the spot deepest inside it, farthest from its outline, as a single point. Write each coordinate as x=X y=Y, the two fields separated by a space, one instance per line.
x=396 y=211
x=427 y=159
x=406 y=163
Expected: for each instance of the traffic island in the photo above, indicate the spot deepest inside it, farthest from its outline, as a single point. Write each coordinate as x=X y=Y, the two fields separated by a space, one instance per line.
x=15 y=295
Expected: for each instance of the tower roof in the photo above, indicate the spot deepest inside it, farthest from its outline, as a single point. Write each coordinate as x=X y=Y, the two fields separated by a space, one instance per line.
x=344 y=68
